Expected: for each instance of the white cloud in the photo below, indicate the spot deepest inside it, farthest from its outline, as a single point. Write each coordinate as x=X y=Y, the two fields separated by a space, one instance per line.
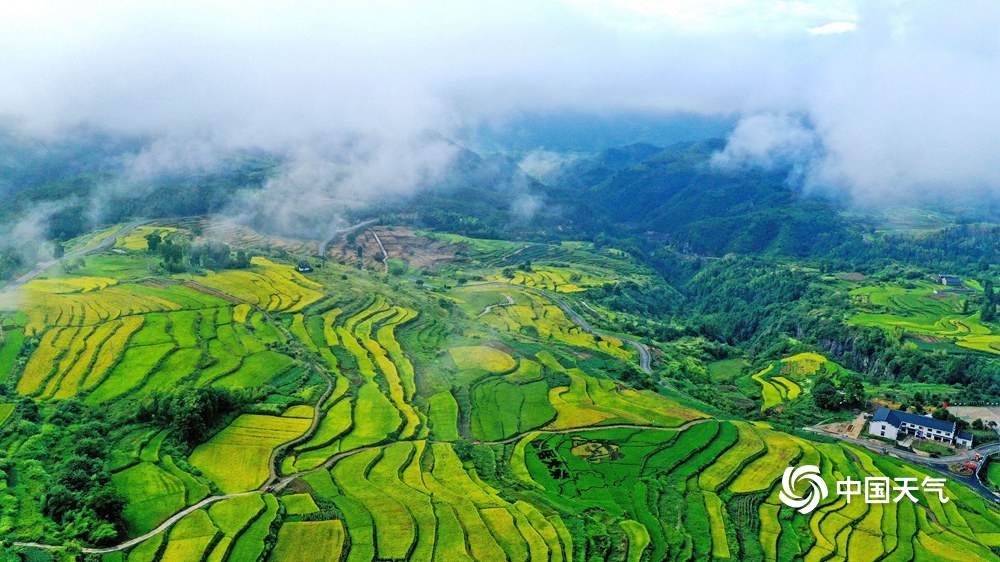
x=833 y=28
x=769 y=141
x=904 y=101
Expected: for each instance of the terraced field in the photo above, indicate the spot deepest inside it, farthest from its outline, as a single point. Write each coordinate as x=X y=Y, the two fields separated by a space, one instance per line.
x=785 y=380
x=535 y=316
x=236 y=458
x=560 y=280
x=401 y=423
x=136 y=240
x=721 y=477
x=5 y=411
x=919 y=313
x=104 y=340
x=269 y=286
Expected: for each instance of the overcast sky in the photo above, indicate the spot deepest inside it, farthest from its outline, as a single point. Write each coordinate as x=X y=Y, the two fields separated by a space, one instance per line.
x=883 y=98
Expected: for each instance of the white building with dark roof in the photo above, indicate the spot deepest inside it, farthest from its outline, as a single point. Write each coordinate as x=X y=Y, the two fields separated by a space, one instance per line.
x=891 y=423
x=950 y=280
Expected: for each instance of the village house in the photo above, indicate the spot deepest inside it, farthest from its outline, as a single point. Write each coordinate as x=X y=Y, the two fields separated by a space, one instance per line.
x=891 y=423
x=950 y=280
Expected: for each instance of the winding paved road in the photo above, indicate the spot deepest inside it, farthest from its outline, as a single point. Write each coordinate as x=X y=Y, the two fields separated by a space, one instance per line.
x=104 y=244
x=939 y=464
x=385 y=255
x=272 y=461
x=489 y=309
x=324 y=243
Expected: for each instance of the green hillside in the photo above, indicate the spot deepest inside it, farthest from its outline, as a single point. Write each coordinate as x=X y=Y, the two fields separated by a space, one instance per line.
x=467 y=413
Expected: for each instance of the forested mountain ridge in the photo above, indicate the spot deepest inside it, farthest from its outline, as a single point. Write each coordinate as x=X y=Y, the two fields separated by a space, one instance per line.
x=679 y=194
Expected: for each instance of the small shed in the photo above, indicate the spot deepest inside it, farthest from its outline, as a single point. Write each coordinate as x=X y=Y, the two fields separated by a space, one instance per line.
x=949 y=280
x=303 y=267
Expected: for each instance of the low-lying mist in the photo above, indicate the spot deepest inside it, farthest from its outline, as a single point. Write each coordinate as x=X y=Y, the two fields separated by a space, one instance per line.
x=289 y=117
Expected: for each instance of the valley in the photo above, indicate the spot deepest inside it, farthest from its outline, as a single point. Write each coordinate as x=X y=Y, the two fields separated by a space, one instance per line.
x=465 y=412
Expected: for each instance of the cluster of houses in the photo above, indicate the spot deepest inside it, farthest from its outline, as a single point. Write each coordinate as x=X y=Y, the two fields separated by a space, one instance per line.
x=891 y=423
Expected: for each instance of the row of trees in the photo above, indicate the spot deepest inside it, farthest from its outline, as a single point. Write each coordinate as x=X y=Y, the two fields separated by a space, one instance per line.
x=179 y=256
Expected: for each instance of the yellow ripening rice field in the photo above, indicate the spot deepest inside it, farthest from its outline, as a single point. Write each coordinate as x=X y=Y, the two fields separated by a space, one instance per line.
x=268 y=285
x=482 y=357
x=549 y=278
x=806 y=364
x=236 y=458
x=136 y=240
x=72 y=284
x=47 y=304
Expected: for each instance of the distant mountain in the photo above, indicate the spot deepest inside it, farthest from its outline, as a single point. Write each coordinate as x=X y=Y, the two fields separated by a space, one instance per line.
x=678 y=195
x=671 y=195
x=486 y=196
x=77 y=178
x=587 y=132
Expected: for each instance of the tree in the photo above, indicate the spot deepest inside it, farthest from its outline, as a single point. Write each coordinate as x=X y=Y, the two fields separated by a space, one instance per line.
x=242 y=260
x=153 y=241
x=853 y=390
x=825 y=395
x=989 y=311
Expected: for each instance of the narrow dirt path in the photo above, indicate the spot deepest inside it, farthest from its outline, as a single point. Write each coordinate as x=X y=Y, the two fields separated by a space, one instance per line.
x=587 y=428
x=272 y=461
x=132 y=542
x=489 y=309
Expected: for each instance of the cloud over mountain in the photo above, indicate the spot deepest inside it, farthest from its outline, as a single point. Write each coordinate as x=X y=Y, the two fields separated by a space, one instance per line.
x=900 y=98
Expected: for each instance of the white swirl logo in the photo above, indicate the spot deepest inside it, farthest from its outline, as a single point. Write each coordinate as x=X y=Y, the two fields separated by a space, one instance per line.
x=809 y=473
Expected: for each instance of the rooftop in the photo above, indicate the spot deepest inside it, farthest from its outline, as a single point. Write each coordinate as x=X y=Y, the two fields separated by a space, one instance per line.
x=896 y=418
